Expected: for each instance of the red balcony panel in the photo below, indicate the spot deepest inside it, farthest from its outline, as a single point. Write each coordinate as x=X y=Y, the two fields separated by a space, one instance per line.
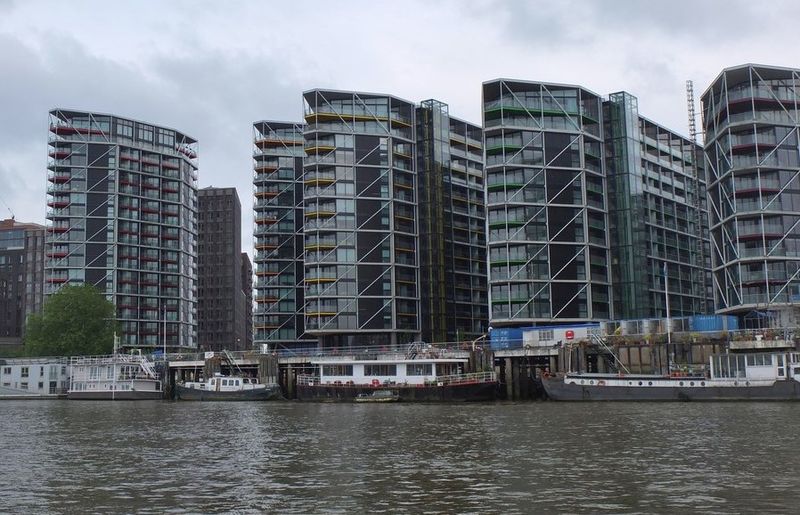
x=149 y=258
x=68 y=129
x=59 y=154
x=59 y=178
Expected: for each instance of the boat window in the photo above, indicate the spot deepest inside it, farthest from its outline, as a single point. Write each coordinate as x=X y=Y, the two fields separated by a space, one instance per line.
x=380 y=370
x=237 y=382
x=213 y=382
x=337 y=370
x=419 y=369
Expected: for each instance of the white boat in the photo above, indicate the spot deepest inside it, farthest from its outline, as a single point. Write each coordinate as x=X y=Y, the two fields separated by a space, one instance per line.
x=227 y=388
x=114 y=377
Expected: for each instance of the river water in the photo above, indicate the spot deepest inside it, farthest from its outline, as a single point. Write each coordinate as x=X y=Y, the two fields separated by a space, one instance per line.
x=289 y=457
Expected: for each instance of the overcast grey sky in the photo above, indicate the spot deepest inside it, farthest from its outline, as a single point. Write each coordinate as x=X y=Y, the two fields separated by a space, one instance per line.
x=210 y=69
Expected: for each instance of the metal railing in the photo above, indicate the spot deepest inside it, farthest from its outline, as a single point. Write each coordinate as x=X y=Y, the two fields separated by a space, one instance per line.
x=447 y=380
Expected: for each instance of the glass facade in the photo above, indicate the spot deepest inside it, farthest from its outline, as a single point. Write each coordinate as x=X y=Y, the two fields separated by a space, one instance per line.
x=751 y=119
x=360 y=219
x=122 y=216
x=546 y=204
x=658 y=216
x=278 y=189
x=452 y=230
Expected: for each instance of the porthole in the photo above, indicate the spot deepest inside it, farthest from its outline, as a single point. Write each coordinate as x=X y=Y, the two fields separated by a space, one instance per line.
x=736 y=383
x=747 y=383
x=681 y=383
x=691 y=384
x=582 y=381
x=702 y=383
x=640 y=383
x=649 y=383
x=591 y=382
x=630 y=383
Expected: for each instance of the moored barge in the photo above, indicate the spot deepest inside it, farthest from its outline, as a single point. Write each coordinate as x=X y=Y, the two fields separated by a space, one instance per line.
x=731 y=377
x=408 y=380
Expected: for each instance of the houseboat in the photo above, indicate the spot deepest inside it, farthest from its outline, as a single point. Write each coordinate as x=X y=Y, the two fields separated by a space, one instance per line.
x=730 y=377
x=33 y=378
x=408 y=380
x=227 y=388
x=114 y=377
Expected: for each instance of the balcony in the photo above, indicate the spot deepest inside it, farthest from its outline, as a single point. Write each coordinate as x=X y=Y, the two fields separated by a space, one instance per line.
x=277 y=141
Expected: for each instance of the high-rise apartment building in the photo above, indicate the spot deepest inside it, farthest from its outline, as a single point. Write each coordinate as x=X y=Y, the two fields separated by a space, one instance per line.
x=21 y=277
x=360 y=219
x=452 y=218
x=658 y=216
x=122 y=210
x=221 y=296
x=751 y=118
x=371 y=229
x=279 y=319
x=548 y=240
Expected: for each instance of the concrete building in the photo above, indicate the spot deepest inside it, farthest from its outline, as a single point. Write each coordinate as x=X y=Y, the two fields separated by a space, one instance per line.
x=751 y=117
x=121 y=212
x=21 y=277
x=221 y=299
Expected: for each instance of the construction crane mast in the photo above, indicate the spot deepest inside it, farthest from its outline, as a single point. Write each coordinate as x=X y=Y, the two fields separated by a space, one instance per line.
x=690 y=110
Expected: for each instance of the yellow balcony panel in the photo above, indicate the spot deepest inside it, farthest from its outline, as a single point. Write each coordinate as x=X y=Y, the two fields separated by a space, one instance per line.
x=266 y=246
x=316 y=280
x=320 y=313
x=319 y=181
x=404 y=186
x=319 y=149
x=403 y=249
x=267 y=298
x=319 y=214
x=401 y=122
x=347 y=117
x=320 y=246
x=262 y=273
x=278 y=142
x=267 y=327
x=402 y=217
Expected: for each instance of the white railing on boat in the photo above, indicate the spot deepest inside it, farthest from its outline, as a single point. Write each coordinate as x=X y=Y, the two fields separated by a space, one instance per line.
x=455 y=379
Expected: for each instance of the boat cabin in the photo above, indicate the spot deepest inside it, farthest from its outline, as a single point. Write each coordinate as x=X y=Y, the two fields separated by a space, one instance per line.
x=376 y=372
x=759 y=366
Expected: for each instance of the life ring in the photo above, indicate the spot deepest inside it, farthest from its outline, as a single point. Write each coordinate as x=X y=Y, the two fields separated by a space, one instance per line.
x=375 y=382
x=601 y=383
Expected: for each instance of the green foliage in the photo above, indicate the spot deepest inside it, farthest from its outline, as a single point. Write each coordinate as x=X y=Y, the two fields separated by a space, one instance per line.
x=75 y=321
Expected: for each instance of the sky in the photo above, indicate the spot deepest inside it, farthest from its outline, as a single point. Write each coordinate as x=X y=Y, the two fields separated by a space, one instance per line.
x=210 y=69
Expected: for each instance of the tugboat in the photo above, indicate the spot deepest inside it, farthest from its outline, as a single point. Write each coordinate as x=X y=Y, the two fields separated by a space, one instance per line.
x=227 y=388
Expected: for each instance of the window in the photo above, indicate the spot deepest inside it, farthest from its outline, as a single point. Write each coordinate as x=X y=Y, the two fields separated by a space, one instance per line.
x=23 y=386
x=546 y=335
x=24 y=372
x=419 y=369
x=380 y=370
x=7 y=370
x=337 y=370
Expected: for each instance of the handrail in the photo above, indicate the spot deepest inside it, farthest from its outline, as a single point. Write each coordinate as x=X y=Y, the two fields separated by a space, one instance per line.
x=453 y=379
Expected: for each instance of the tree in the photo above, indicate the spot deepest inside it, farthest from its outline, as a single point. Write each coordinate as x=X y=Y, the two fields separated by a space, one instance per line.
x=75 y=321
